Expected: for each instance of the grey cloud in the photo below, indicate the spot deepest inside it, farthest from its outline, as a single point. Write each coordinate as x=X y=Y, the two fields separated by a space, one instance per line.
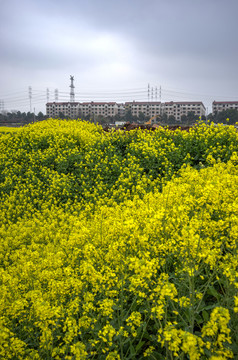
x=171 y=27
x=185 y=42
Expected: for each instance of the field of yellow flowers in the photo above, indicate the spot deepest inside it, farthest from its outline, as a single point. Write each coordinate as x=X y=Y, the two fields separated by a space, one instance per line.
x=119 y=245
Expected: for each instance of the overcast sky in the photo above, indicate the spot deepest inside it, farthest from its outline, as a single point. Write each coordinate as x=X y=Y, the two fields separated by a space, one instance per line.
x=114 y=49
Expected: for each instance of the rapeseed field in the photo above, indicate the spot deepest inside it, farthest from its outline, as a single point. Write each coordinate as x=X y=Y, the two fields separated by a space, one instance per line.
x=119 y=245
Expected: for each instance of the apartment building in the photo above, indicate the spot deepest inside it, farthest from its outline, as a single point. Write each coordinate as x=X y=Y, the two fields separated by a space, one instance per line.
x=106 y=109
x=149 y=108
x=111 y=109
x=71 y=109
x=76 y=109
x=218 y=106
x=178 y=109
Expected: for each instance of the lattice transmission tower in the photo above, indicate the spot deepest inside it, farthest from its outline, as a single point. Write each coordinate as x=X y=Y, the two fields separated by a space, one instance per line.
x=71 y=88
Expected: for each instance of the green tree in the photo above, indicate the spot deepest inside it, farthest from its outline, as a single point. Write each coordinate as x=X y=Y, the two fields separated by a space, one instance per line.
x=19 y=115
x=10 y=115
x=164 y=118
x=184 y=119
x=88 y=117
x=61 y=115
x=171 y=119
x=141 y=116
x=40 y=116
x=231 y=114
x=29 y=116
x=117 y=117
x=101 y=119
x=23 y=116
x=191 y=117
x=129 y=116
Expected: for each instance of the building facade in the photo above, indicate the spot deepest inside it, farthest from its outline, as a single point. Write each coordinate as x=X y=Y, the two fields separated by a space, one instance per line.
x=111 y=109
x=105 y=109
x=218 y=106
x=178 y=109
x=76 y=109
x=55 y=109
x=150 y=108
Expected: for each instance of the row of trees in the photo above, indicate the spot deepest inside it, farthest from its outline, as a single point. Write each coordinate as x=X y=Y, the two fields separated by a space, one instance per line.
x=164 y=119
x=18 y=117
x=188 y=119
x=229 y=116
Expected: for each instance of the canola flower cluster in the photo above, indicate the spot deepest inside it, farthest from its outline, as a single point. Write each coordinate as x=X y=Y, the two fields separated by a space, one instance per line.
x=118 y=245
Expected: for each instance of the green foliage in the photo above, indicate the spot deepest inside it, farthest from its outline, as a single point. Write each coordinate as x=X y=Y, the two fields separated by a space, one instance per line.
x=229 y=116
x=119 y=245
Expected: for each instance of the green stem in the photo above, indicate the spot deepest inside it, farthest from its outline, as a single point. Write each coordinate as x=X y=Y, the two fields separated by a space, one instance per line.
x=191 y=308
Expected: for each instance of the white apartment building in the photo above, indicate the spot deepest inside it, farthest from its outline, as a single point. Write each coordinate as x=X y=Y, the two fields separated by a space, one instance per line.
x=218 y=106
x=149 y=108
x=97 y=108
x=110 y=109
x=177 y=109
x=76 y=109
x=101 y=108
x=71 y=109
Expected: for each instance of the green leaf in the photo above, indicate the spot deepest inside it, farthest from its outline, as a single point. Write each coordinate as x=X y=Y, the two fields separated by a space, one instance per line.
x=205 y=315
x=132 y=350
x=211 y=291
x=139 y=346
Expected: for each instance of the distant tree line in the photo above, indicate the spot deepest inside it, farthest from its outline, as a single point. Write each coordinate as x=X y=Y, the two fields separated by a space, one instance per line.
x=188 y=119
x=191 y=118
x=229 y=116
x=20 y=118
x=16 y=118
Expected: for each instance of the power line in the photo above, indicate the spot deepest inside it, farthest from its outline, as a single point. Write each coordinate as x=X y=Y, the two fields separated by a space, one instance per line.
x=30 y=96
x=40 y=97
x=56 y=94
x=23 y=93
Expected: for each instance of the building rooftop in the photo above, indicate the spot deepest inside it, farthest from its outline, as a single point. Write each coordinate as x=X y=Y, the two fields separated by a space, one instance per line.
x=98 y=103
x=62 y=103
x=224 y=102
x=183 y=102
x=143 y=102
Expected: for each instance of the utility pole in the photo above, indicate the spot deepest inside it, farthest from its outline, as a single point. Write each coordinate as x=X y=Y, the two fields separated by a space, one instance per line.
x=148 y=92
x=56 y=94
x=30 y=95
x=47 y=95
x=148 y=105
x=160 y=100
